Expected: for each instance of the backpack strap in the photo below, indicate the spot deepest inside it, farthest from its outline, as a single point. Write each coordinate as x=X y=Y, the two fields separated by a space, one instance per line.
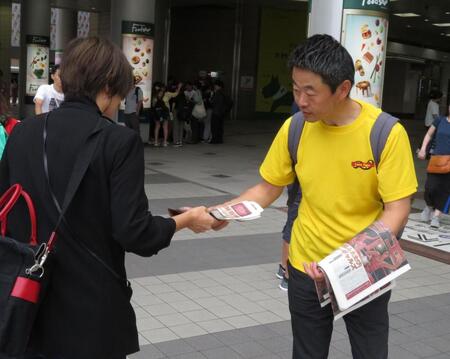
x=136 y=93
x=379 y=134
x=295 y=132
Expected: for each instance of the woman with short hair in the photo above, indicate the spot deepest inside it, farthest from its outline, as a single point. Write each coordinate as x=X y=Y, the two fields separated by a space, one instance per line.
x=86 y=312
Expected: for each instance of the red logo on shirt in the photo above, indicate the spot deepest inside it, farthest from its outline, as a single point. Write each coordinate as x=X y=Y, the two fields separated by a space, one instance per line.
x=363 y=165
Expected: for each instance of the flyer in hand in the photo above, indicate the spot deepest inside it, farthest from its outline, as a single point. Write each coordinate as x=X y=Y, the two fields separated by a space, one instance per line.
x=241 y=211
x=361 y=270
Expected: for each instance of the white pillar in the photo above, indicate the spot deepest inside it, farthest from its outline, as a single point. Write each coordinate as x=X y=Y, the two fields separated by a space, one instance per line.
x=326 y=18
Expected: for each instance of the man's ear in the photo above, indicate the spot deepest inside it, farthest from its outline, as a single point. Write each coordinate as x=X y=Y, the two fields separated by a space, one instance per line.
x=343 y=90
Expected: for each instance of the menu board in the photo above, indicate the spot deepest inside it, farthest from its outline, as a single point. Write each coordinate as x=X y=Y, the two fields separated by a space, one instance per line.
x=37 y=63
x=365 y=37
x=137 y=45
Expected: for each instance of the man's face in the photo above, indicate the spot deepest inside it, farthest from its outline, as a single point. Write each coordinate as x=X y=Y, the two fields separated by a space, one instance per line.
x=313 y=96
x=56 y=79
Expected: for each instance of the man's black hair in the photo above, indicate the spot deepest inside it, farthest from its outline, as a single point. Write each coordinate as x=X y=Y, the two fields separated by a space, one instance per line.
x=435 y=95
x=326 y=57
x=53 y=69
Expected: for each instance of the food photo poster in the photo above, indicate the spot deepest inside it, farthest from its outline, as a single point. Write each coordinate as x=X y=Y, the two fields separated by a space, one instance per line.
x=365 y=37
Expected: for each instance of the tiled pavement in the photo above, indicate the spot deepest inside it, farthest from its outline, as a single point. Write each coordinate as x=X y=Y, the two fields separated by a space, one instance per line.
x=215 y=295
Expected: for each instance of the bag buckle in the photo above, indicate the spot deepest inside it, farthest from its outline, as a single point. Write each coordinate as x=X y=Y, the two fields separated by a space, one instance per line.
x=37 y=269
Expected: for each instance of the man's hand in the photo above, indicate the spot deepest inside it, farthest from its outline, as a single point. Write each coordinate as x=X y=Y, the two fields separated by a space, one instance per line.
x=313 y=271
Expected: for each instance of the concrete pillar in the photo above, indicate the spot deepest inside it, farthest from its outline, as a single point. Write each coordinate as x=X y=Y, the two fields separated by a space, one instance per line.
x=5 y=45
x=66 y=30
x=130 y=10
x=34 y=27
x=361 y=26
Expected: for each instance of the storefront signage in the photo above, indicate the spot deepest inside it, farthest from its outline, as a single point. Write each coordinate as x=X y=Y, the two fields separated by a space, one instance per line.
x=137 y=45
x=37 y=63
x=376 y=5
x=138 y=28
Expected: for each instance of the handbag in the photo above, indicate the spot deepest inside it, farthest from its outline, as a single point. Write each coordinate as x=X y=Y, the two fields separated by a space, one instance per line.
x=199 y=111
x=25 y=267
x=439 y=164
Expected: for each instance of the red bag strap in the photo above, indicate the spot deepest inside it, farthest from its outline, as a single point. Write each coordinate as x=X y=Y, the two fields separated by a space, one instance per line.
x=7 y=202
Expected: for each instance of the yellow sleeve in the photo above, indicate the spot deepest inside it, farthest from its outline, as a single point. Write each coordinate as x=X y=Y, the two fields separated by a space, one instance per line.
x=396 y=173
x=277 y=166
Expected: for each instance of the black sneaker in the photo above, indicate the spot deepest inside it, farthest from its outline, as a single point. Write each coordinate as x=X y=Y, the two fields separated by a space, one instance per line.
x=281 y=271
x=284 y=284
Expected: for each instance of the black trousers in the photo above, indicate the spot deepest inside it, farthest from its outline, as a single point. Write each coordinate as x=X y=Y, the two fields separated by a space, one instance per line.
x=312 y=326
x=132 y=121
x=216 y=129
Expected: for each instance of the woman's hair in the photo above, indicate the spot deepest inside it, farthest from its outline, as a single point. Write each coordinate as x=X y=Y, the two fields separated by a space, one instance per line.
x=93 y=64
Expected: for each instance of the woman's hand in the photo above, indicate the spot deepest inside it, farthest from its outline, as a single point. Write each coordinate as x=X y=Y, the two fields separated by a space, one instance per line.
x=313 y=271
x=201 y=221
x=421 y=154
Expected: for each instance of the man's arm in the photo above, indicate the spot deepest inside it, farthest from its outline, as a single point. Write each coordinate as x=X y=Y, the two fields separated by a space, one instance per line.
x=395 y=214
x=38 y=106
x=263 y=193
x=426 y=140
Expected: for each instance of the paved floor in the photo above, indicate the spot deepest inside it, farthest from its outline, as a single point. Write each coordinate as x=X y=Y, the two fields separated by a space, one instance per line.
x=215 y=295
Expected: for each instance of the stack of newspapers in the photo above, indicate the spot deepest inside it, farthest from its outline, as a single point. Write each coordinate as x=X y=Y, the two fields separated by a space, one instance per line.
x=361 y=270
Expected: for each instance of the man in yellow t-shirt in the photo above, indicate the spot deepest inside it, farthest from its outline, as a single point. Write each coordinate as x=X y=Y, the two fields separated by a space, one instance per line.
x=343 y=193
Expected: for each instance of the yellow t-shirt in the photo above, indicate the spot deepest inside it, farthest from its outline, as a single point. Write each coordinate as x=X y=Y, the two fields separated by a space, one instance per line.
x=341 y=191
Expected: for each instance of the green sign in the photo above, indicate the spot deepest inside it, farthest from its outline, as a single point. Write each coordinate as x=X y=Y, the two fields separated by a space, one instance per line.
x=38 y=40
x=138 y=28
x=309 y=6
x=377 y=5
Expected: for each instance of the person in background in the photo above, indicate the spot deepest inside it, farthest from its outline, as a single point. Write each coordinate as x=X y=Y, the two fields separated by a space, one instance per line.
x=433 y=108
x=162 y=114
x=194 y=96
x=293 y=202
x=14 y=91
x=4 y=109
x=437 y=185
x=49 y=97
x=151 y=113
x=133 y=107
x=221 y=106
x=208 y=92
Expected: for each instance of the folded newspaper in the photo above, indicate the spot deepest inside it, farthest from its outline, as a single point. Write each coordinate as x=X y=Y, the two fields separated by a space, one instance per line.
x=241 y=211
x=361 y=270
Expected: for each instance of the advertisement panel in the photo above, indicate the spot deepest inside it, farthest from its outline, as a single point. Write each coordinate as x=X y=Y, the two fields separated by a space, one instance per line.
x=137 y=45
x=280 y=32
x=364 y=35
x=38 y=49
